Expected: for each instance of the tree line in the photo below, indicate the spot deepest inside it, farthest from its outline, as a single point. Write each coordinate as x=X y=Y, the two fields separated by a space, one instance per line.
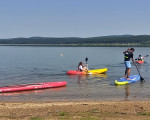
x=114 y=39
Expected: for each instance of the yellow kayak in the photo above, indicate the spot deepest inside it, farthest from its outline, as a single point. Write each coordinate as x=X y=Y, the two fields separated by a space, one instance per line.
x=97 y=71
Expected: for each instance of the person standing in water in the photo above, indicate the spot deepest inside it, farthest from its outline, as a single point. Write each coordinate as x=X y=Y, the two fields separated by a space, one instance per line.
x=128 y=54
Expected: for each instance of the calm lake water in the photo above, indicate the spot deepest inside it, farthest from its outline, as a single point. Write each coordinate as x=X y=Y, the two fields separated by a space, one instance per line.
x=27 y=64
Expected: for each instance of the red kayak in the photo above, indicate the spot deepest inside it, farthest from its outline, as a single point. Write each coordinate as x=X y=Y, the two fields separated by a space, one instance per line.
x=33 y=86
x=140 y=62
x=76 y=72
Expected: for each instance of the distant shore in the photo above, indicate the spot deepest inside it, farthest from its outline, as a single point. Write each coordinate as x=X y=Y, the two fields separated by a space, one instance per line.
x=98 y=41
x=81 y=45
x=83 y=110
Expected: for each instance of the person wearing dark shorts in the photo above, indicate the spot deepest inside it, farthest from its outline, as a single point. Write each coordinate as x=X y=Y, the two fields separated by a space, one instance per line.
x=128 y=54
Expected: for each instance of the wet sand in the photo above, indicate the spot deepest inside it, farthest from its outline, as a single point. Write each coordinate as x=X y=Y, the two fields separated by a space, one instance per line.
x=83 y=110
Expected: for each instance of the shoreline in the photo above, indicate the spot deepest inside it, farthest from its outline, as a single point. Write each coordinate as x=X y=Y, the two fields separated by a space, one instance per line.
x=76 y=110
x=81 y=45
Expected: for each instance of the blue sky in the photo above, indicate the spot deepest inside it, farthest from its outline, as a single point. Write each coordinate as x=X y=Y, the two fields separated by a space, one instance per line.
x=73 y=18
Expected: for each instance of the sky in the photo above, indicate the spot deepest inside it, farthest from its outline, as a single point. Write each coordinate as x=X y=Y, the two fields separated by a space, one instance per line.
x=73 y=18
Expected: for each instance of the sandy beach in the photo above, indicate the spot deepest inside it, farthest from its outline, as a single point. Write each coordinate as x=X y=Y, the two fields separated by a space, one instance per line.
x=91 y=110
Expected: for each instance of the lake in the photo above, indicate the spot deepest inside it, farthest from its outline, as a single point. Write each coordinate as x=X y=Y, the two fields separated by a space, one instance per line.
x=34 y=64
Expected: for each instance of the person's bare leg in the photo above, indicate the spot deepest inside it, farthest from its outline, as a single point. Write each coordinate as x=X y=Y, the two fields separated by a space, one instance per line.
x=128 y=73
x=125 y=75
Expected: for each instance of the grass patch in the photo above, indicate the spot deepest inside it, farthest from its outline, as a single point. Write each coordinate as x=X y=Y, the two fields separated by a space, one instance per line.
x=95 y=111
x=90 y=118
x=145 y=113
x=36 y=118
x=63 y=114
x=9 y=117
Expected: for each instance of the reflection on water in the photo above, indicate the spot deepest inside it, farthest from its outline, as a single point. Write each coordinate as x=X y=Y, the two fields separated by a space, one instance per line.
x=126 y=88
x=127 y=92
x=82 y=80
x=130 y=90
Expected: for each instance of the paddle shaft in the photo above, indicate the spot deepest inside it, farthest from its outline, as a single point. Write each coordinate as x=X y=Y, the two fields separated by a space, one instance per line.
x=139 y=74
x=138 y=70
x=86 y=59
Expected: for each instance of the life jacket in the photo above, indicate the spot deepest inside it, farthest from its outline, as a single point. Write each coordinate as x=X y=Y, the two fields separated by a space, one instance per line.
x=139 y=58
x=126 y=55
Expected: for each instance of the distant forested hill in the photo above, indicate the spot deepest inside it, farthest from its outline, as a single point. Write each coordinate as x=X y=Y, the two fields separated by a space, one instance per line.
x=114 y=40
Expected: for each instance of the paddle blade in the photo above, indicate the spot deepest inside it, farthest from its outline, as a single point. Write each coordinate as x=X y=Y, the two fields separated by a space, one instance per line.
x=86 y=59
x=146 y=56
x=141 y=78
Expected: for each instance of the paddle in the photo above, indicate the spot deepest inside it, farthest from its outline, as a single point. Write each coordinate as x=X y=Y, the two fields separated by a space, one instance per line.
x=86 y=59
x=141 y=78
x=144 y=56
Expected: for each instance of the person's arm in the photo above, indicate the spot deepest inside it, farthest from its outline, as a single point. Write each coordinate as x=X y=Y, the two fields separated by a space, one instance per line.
x=126 y=51
x=136 y=58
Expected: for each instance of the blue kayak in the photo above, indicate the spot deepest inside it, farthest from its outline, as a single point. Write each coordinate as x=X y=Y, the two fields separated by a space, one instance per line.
x=123 y=81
